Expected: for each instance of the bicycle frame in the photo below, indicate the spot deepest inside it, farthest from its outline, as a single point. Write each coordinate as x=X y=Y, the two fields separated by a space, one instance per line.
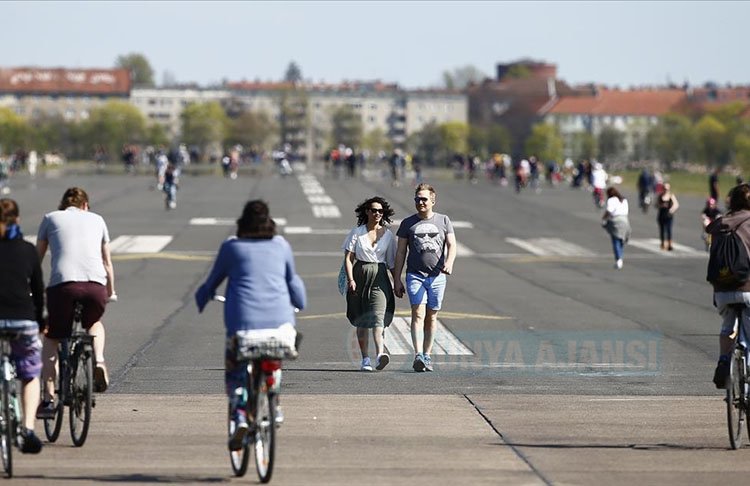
x=11 y=414
x=738 y=389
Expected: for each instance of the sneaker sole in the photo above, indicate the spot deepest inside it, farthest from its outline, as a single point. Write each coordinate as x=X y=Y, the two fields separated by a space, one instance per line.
x=237 y=440
x=100 y=380
x=384 y=360
x=418 y=366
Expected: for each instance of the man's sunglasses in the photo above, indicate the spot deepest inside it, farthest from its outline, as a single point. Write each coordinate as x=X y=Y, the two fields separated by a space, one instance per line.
x=377 y=210
x=421 y=199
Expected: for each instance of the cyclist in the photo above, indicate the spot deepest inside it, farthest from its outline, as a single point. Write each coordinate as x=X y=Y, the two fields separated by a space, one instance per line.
x=709 y=214
x=21 y=307
x=262 y=291
x=737 y=218
x=81 y=271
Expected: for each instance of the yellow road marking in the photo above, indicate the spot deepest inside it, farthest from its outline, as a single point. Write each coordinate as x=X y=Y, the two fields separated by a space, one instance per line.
x=161 y=256
x=406 y=313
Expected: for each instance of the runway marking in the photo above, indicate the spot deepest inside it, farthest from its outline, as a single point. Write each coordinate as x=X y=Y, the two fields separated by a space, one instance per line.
x=139 y=243
x=654 y=246
x=322 y=204
x=226 y=221
x=122 y=257
x=463 y=250
x=398 y=340
x=307 y=230
x=456 y=224
x=550 y=247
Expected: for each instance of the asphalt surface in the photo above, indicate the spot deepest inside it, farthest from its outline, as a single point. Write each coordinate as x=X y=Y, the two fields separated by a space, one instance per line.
x=577 y=373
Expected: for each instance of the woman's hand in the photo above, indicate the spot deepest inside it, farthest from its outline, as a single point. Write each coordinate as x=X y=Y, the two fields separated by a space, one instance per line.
x=351 y=285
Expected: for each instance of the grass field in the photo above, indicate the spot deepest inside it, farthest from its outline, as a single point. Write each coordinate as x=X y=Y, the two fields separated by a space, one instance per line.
x=682 y=182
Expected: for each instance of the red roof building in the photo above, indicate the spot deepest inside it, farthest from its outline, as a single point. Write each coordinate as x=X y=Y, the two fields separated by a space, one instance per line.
x=44 y=81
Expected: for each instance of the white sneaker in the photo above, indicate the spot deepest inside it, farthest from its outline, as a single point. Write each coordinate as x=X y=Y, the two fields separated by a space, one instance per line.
x=618 y=264
x=366 y=365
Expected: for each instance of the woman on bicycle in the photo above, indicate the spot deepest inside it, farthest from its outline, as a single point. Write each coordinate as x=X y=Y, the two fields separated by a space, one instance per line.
x=21 y=307
x=262 y=291
x=737 y=219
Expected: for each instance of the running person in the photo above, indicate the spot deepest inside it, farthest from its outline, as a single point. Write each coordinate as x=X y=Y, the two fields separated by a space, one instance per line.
x=262 y=291
x=81 y=271
x=430 y=242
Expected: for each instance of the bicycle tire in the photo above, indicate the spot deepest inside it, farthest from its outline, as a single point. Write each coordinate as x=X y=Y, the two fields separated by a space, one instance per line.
x=81 y=388
x=735 y=406
x=53 y=426
x=238 y=459
x=264 y=440
x=6 y=424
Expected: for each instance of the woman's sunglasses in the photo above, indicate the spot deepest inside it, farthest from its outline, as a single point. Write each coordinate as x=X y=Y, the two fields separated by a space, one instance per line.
x=376 y=210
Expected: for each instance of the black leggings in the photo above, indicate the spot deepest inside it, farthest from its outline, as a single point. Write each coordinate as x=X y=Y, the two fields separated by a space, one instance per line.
x=665 y=229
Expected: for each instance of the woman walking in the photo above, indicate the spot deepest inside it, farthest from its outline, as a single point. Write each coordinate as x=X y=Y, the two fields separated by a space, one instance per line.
x=667 y=205
x=369 y=252
x=615 y=221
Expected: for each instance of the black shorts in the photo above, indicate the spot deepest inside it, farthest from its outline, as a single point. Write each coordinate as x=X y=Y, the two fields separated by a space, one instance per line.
x=61 y=300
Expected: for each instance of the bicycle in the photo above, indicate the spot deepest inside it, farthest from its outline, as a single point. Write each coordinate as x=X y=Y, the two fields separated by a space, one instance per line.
x=11 y=414
x=261 y=358
x=75 y=384
x=738 y=388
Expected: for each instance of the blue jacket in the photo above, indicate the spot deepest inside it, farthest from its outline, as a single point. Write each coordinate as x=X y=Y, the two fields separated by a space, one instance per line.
x=263 y=287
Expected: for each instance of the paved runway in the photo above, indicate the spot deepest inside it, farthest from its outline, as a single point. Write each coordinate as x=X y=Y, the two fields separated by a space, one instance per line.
x=555 y=368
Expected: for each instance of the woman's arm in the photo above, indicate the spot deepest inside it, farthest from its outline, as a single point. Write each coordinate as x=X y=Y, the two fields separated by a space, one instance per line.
x=349 y=259
x=218 y=273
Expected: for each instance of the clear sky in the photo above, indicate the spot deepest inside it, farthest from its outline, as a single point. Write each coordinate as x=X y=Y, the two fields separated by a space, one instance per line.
x=616 y=43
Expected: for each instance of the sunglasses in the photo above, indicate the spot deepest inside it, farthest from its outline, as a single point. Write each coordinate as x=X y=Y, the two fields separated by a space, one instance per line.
x=421 y=199
x=376 y=210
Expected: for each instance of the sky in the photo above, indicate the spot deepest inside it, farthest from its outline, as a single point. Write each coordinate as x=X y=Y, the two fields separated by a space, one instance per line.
x=616 y=43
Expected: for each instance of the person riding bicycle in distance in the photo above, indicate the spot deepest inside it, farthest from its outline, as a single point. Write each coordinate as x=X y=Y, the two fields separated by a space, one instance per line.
x=737 y=219
x=262 y=291
x=81 y=271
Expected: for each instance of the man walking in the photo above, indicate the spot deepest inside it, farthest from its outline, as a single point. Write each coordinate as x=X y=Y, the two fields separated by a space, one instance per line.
x=429 y=239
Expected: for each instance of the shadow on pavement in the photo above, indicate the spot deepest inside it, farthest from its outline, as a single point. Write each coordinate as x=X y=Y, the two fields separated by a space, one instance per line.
x=639 y=447
x=132 y=478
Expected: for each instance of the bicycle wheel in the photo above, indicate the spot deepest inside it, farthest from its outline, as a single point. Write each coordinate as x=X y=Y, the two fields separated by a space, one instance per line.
x=240 y=458
x=81 y=384
x=735 y=406
x=53 y=426
x=265 y=430
x=6 y=426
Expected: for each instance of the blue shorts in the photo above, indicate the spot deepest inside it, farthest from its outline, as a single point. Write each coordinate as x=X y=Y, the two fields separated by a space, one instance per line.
x=26 y=351
x=426 y=290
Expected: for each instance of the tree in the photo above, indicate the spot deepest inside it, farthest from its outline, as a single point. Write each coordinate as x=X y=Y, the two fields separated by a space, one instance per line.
x=461 y=77
x=611 y=143
x=112 y=125
x=710 y=136
x=741 y=149
x=293 y=122
x=499 y=139
x=518 y=71
x=477 y=140
x=544 y=142
x=376 y=140
x=205 y=125
x=346 y=127
x=156 y=135
x=53 y=133
x=584 y=146
x=427 y=143
x=139 y=67
x=454 y=137
x=15 y=132
x=671 y=139
x=251 y=129
x=293 y=73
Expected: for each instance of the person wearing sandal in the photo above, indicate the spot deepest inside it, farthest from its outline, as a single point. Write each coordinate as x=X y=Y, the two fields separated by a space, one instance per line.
x=369 y=252
x=81 y=271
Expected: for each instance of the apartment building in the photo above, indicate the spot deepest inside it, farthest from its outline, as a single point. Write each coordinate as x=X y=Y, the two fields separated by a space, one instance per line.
x=35 y=92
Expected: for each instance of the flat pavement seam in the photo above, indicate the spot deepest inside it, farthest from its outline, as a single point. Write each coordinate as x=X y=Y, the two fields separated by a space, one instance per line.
x=520 y=454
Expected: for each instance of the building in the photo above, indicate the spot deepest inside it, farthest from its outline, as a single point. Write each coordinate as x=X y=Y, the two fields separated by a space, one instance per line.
x=35 y=92
x=632 y=113
x=164 y=105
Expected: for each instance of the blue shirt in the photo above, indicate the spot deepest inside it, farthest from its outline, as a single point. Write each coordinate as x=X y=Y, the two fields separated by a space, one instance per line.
x=263 y=287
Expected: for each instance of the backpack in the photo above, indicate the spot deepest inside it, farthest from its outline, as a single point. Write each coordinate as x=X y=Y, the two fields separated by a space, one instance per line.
x=728 y=263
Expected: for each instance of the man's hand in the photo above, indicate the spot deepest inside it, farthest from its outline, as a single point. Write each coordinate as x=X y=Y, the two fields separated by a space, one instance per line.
x=447 y=269
x=398 y=289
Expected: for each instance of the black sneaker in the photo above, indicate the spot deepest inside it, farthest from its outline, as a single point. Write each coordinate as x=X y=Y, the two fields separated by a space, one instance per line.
x=721 y=374
x=46 y=410
x=418 y=364
x=28 y=442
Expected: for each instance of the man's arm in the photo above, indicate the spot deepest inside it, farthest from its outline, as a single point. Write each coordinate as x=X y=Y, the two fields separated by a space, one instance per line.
x=398 y=287
x=109 y=269
x=41 y=249
x=452 y=250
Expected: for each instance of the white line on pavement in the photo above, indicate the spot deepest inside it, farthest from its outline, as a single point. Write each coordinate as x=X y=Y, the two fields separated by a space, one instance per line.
x=654 y=245
x=225 y=221
x=139 y=244
x=398 y=340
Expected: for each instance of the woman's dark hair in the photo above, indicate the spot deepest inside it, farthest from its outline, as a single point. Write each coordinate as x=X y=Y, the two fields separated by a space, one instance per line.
x=8 y=214
x=74 y=196
x=256 y=222
x=739 y=198
x=613 y=192
x=361 y=211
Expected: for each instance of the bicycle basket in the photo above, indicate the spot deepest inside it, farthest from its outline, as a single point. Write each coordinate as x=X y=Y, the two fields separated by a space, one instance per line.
x=247 y=349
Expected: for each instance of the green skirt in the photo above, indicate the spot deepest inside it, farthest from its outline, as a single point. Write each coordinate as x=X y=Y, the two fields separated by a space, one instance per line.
x=373 y=304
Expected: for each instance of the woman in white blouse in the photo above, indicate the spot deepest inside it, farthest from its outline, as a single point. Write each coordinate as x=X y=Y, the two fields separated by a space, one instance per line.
x=615 y=221
x=369 y=252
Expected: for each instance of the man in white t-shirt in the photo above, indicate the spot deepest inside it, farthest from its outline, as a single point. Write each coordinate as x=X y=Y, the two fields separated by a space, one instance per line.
x=81 y=271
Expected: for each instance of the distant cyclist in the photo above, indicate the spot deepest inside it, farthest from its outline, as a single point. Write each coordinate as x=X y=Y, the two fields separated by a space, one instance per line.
x=21 y=307
x=81 y=271
x=262 y=291
x=737 y=219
